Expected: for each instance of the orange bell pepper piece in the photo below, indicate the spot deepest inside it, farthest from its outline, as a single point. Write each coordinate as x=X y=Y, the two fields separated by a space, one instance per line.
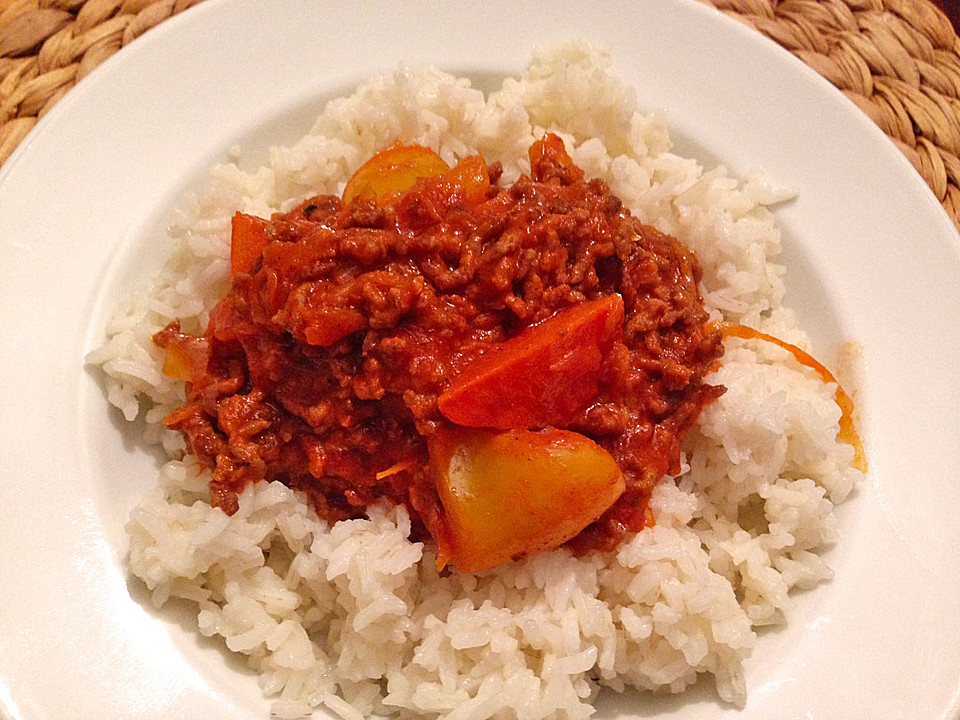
x=247 y=240
x=848 y=431
x=470 y=177
x=185 y=357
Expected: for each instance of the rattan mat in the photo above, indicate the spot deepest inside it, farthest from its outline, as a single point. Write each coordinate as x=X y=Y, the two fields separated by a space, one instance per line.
x=898 y=60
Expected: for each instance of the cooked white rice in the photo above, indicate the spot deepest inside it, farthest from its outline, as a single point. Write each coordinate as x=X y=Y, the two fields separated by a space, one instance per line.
x=354 y=616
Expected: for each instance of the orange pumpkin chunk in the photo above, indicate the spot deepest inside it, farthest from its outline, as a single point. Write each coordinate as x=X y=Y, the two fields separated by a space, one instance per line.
x=391 y=172
x=540 y=377
x=507 y=495
x=247 y=239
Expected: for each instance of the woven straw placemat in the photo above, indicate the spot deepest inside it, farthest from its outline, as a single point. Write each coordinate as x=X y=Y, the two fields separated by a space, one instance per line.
x=898 y=60
x=48 y=46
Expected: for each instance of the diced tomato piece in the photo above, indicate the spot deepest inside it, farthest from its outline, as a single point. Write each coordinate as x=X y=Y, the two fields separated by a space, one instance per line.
x=540 y=377
x=507 y=495
x=247 y=240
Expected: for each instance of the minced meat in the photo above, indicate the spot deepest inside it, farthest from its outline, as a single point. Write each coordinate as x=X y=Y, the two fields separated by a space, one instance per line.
x=322 y=366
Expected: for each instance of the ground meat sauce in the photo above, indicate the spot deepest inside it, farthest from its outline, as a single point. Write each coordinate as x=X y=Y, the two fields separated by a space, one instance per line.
x=322 y=366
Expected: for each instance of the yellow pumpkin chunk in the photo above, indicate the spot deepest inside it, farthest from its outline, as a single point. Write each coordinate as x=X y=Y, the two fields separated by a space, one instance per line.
x=510 y=494
x=391 y=172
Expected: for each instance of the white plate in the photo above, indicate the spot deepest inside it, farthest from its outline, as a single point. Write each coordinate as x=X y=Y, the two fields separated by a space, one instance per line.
x=872 y=255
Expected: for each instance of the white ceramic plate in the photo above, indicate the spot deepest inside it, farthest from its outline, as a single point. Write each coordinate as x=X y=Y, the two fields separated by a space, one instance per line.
x=872 y=259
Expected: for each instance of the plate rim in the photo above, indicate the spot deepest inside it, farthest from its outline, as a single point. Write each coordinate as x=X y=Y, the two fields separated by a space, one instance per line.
x=60 y=114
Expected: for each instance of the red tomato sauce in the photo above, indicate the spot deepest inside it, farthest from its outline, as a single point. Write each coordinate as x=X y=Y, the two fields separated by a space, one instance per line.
x=323 y=365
